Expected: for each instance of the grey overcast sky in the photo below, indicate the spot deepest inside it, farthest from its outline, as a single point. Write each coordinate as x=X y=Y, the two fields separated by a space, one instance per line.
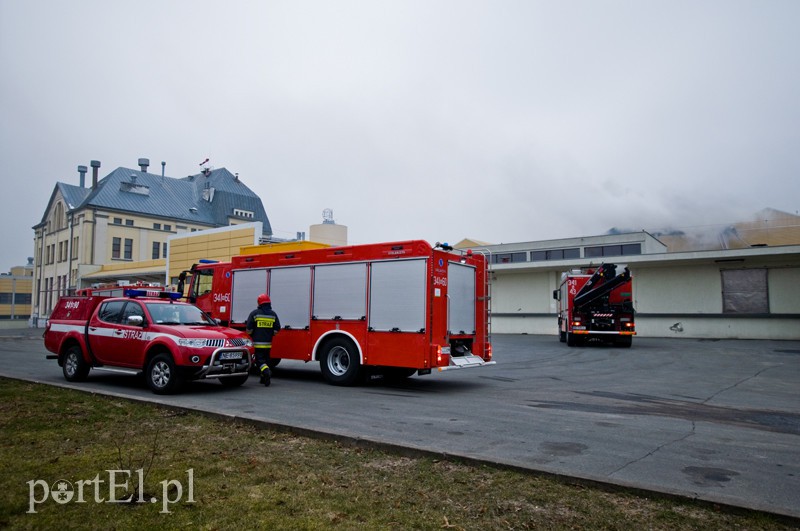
x=496 y=120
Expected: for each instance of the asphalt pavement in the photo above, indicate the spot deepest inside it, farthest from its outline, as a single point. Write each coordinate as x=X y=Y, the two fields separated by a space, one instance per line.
x=716 y=420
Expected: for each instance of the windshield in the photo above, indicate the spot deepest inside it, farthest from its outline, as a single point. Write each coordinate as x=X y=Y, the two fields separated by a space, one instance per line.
x=177 y=314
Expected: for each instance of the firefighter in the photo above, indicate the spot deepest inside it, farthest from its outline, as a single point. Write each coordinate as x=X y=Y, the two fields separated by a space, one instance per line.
x=262 y=324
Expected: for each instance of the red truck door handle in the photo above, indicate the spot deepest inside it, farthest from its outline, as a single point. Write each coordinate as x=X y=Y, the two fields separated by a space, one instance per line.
x=117 y=331
x=93 y=328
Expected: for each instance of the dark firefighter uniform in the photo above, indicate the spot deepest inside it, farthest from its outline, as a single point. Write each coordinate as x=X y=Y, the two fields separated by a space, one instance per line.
x=262 y=324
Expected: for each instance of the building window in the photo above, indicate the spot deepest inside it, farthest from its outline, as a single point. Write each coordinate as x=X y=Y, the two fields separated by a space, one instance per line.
x=117 y=221
x=631 y=248
x=555 y=254
x=157 y=226
x=75 y=248
x=60 y=217
x=744 y=291
x=129 y=222
x=243 y=213
x=507 y=258
x=164 y=251
x=128 y=249
x=613 y=250
x=156 y=250
x=167 y=227
x=115 y=247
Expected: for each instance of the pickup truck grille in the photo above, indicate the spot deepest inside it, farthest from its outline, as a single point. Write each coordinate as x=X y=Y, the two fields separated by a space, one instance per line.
x=216 y=343
x=238 y=342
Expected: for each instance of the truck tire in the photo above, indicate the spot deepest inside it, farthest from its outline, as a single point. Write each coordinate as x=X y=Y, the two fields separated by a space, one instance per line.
x=624 y=341
x=234 y=381
x=74 y=366
x=340 y=363
x=161 y=375
x=572 y=340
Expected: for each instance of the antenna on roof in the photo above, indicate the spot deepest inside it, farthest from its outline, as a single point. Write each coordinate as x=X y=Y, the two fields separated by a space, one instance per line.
x=206 y=170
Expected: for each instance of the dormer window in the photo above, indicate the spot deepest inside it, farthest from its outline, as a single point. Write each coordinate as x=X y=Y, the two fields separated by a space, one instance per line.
x=239 y=213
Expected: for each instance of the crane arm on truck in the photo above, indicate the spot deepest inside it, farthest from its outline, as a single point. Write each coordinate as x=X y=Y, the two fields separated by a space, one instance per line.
x=602 y=282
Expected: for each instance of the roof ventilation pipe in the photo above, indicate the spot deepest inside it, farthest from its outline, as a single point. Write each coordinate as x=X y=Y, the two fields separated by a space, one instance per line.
x=143 y=164
x=82 y=170
x=95 y=164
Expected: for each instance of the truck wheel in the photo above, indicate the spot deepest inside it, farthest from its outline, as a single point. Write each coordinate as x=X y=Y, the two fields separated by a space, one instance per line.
x=234 y=381
x=74 y=366
x=571 y=339
x=340 y=363
x=624 y=341
x=161 y=375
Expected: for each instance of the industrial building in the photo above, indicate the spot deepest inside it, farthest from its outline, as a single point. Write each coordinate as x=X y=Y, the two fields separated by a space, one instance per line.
x=15 y=293
x=746 y=293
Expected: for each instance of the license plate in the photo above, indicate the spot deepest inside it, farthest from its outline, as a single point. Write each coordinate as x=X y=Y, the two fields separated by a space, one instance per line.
x=230 y=356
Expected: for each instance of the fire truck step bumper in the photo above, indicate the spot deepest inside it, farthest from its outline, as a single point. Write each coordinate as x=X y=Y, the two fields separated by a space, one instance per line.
x=466 y=362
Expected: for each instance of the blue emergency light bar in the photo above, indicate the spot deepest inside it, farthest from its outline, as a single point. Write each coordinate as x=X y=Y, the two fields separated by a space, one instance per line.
x=208 y=261
x=133 y=293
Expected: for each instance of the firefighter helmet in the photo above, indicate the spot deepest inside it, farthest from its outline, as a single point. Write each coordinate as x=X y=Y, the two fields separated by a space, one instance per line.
x=263 y=298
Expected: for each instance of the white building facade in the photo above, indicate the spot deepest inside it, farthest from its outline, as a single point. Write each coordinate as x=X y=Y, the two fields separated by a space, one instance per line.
x=751 y=293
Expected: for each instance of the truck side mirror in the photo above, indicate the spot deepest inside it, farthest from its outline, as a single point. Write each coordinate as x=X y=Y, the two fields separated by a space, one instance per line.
x=181 y=282
x=557 y=294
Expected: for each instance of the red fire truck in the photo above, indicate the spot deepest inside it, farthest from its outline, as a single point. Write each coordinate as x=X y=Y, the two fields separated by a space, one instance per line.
x=387 y=308
x=596 y=303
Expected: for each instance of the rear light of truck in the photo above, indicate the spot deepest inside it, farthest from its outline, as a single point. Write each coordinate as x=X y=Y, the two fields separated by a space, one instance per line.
x=488 y=356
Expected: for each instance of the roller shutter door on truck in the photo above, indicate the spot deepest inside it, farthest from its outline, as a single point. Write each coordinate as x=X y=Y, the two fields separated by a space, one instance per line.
x=248 y=284
x=290 y=291
x=397 y=295
x=340 y=291
x=461 y=291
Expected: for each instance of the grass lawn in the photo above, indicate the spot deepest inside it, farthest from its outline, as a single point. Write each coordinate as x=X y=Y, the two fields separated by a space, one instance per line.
x=199 y=472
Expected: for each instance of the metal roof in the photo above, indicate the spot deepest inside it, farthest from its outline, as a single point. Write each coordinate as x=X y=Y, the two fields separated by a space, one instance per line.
x=73 y=195
x=206 y=198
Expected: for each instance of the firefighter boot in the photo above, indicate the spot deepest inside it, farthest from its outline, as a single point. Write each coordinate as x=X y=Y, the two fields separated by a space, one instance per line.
x=265 y=375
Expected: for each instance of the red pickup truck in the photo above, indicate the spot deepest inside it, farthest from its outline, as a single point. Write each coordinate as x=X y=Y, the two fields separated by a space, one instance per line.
x=169 y=341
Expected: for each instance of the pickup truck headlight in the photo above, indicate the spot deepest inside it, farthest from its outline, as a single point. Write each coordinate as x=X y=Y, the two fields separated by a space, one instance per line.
x=192 y=343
